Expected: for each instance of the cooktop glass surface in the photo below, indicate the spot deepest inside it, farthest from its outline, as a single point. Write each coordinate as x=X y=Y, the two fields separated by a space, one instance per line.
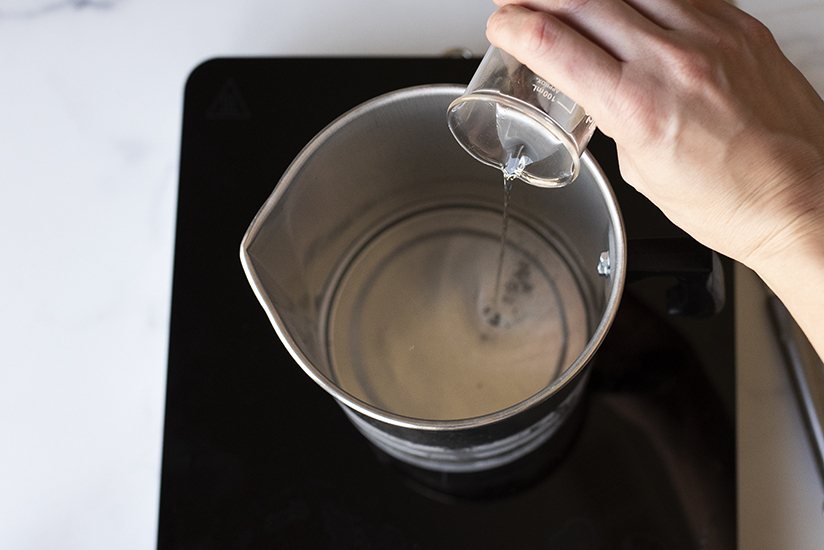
x=256 y=455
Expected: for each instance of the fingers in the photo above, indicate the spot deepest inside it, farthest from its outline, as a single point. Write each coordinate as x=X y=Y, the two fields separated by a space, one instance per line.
x=615 y=26
x=716 y=8
x=613 y=56
x=580 y=68
x=668 y=15
x=688 y=15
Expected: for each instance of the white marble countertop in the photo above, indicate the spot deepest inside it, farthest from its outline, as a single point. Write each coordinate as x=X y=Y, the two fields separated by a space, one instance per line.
x=90 y=118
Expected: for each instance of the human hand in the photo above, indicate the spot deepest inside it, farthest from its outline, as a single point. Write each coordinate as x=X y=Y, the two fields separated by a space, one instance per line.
x=713 y=124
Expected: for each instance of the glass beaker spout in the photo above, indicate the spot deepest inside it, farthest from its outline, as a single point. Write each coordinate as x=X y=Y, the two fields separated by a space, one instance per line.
x=515 y=164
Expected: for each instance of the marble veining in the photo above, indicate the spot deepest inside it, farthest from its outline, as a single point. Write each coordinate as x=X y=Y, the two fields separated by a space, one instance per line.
x=25 y=10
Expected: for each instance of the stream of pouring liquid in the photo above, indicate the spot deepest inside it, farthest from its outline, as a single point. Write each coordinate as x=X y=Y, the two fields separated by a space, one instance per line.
x=512 y=169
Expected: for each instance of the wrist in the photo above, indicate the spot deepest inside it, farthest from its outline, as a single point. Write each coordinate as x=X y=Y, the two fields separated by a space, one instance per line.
x=776 y=200
x=794 y=270
x=797 y=237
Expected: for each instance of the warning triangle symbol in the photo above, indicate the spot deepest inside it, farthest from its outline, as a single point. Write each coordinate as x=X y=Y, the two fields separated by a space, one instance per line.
x=229 y=104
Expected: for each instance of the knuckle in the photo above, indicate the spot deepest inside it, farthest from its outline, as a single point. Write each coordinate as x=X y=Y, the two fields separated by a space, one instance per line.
x=723 y=38
x=754 y=31
x=692 y=67
x=762 y=41
x=539 y=35
x=742 y=37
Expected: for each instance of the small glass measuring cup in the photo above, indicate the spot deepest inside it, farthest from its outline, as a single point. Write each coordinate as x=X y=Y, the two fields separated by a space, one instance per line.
x=514 y=120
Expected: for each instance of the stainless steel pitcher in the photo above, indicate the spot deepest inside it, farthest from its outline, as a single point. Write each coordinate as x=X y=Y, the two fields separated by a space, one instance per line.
x=377 y=246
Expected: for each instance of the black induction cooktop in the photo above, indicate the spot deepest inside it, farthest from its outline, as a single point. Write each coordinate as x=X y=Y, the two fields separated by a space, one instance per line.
x=256 y=455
